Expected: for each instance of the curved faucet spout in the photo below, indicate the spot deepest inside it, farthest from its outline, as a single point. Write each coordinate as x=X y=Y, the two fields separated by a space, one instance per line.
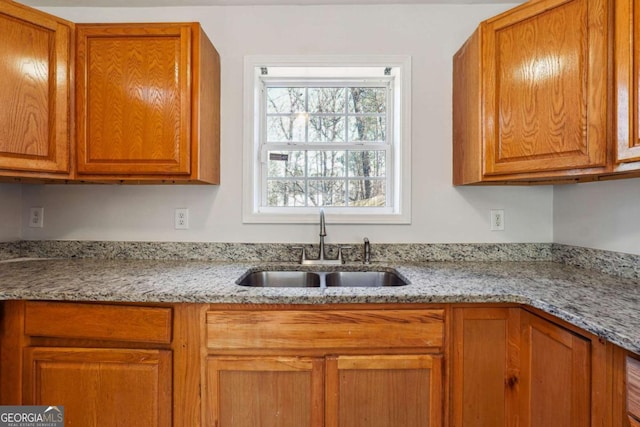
x=323 y=228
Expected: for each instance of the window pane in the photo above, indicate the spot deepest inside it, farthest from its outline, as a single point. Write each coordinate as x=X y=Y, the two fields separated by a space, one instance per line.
x=285 y=100
x=326 y=163
x=285 y=193
x=326 y=193
x=326 y=129
x=326 y=100
x=367 y=164
x=369 y=129
x=285 y=163
x=286 y=129
x=367 y=192
x=367 y=100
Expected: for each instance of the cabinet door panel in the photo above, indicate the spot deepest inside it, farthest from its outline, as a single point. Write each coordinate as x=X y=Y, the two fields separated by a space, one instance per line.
x=134 y=102
x=545 y=88
x=34 y=91
x=556 y=379
x=264 y=391
x=382 y=391
x=485 y=366
x=101 y=387
x=627 y=54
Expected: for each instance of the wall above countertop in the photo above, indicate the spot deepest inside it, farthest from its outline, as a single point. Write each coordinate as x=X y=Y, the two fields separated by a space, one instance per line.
x=430 y=34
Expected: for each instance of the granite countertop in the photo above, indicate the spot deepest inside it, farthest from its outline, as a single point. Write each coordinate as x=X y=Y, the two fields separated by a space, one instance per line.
x=599 y=303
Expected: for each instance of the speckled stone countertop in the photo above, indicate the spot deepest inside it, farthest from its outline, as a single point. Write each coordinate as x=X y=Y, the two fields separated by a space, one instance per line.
x=605 y=305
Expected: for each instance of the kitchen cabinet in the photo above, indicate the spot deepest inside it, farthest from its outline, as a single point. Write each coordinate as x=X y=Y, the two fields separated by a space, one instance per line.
x=530 y=95
x=627 y=78
x=316 y=365
x=384 y=390
x=509 y=364
x=555 y=377
x=148 y=103
x=107 y=364
x=333 y=367
x=101 y=387
x=273 y=391
x=35 y=93
x=626 y=388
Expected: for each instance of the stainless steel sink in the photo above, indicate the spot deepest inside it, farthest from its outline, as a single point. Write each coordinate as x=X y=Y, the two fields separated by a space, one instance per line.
x=320 y=279
x=349 y=279
x=281 y=279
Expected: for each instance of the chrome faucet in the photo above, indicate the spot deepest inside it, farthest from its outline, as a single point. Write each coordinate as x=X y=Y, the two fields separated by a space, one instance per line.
x=322 y=256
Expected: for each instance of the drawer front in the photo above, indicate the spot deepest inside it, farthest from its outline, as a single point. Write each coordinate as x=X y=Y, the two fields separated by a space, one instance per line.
x=325 y=329
x=633 y=387
x=98 y=321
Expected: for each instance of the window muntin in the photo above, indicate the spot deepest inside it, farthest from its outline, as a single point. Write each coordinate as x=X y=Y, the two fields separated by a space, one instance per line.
x=326 y=143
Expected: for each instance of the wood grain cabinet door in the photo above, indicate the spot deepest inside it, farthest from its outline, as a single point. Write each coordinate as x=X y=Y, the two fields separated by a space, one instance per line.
x=485 y=367
x=545 y=88
x=134 y=99
x=627 y=68
x=101 y=387
x=264 y=391
x=35 y=92
x=555 y=382
x=383 y=391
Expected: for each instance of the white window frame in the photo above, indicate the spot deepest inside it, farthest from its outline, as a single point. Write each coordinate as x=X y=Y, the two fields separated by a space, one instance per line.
x=399 y=181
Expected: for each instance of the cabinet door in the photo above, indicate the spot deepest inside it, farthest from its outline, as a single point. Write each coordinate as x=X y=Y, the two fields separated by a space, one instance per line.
x=134 y=99
x=627 y=54
x=264 y=391
x=34 y=91
x=545 y=87
x=485 y=362
x=556 y=375
x=383 y=391
x=101 y=387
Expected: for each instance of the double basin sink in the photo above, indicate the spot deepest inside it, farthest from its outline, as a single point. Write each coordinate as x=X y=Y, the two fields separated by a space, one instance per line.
x=320 y=279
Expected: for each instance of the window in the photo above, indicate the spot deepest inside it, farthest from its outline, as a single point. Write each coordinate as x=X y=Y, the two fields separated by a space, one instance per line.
x=326 y=133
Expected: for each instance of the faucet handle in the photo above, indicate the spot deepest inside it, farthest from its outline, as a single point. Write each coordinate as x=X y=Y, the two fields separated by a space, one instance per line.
x=303 y=256
x=340 y=249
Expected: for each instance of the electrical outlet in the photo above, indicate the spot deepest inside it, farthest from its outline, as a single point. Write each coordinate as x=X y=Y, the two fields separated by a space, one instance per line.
x=36 y=217
x=497 y=219
x=182 y=219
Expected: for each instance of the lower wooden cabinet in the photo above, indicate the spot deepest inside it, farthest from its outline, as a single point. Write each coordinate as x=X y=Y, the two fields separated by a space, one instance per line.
x=382 y=391
x=332 y=391
x=193 y=365
x=511 y=367
x=338 y=367
x=101 y=387
x=555 y=375
x=273 y=391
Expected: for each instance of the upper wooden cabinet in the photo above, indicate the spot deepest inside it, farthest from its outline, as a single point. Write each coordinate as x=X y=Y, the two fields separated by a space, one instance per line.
x=148 y=103
x=35 y=93
x=627 y=60
x=530 y=94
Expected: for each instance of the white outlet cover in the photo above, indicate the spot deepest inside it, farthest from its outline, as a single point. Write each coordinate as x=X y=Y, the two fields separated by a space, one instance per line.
x=496 y=217
x=36 y=217
x=181 y=220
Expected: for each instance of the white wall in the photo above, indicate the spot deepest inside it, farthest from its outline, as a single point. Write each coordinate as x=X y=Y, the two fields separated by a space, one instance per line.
x=10 y=212
x=440 y=212
x=602 y=215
